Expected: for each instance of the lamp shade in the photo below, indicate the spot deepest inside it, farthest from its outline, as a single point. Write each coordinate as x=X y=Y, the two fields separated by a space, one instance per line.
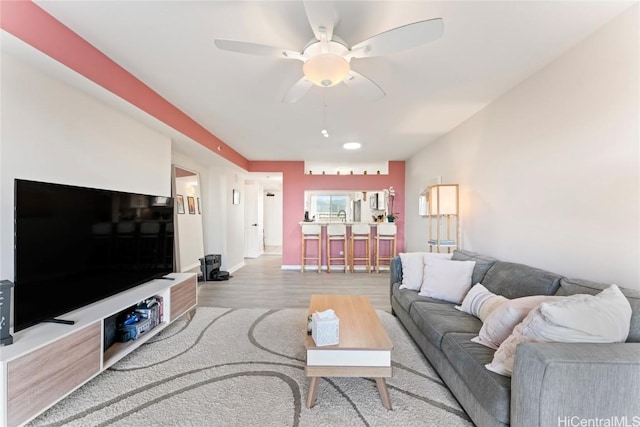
x=326 y=69
x=443 y=199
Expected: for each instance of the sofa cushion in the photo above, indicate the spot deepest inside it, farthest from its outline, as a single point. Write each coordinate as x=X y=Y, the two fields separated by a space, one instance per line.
x=412 y=270
x=413 y=266
x=500 y=323
x=578 y=286
x=468 y=359
x=580 y=318
x=406 y=297
x=483 y=263
x=447 y=280
x=395 y=270
x=436 y=319
x=480 y=302
x=518 y=280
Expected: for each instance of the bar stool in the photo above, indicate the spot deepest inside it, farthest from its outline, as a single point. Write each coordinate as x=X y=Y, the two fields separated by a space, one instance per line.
x=360 y=233
x=337 y=233
x=386 y=232
x=310 y=233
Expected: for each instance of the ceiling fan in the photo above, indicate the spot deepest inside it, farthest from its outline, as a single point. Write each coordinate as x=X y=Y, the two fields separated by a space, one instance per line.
x=327 y=58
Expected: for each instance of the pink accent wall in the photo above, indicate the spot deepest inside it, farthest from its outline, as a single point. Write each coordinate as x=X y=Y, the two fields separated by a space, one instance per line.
x=295 y=182
x=28 y=22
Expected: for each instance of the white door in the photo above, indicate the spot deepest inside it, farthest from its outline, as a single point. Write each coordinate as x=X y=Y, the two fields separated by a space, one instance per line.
x=253 y=227
x=273 y=218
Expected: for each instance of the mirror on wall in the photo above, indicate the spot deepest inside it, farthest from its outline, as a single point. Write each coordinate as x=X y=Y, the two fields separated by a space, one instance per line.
x=188 y=219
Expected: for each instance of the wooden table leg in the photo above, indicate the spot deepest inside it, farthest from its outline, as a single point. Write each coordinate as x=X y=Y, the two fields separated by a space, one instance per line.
x=313 y=391
x=384 y=393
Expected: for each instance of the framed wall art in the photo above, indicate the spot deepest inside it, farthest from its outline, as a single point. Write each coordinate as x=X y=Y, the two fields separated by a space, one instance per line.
x=180 y=203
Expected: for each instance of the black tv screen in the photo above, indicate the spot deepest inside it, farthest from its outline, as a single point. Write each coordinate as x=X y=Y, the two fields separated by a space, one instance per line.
x=75 y=246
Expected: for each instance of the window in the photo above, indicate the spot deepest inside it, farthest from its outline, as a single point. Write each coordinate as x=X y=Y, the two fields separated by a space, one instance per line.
x=329 y=207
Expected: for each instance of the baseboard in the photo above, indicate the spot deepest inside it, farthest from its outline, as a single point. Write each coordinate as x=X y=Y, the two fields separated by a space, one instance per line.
x=337 y=268
x=307 y=268
x=236 y=267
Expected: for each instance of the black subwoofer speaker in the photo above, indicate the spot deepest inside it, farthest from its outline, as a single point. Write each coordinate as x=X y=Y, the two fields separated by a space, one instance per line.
x=5 y=312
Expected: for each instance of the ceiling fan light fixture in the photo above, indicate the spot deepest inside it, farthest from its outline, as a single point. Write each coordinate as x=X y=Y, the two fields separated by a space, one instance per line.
x=326 y=69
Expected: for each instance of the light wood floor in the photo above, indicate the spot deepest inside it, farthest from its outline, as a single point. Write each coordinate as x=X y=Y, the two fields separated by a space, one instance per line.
x=261 y=283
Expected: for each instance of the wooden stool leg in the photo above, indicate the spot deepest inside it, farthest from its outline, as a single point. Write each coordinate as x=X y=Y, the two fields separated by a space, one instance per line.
x=302 y=255
x=328 y=251
x=394 y=250
x=377 y=255
x=319 y=253
x=351 y=250
x=367 y=251
x=345 y=253
x=366 y=256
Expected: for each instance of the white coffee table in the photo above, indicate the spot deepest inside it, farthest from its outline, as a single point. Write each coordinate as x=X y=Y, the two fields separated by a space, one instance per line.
x=364 y=349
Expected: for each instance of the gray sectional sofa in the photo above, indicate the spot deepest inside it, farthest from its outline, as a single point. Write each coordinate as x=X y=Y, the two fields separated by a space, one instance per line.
x=553 y=384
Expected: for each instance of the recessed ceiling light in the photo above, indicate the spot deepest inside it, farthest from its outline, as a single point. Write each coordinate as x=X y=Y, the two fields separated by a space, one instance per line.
x=352 y=145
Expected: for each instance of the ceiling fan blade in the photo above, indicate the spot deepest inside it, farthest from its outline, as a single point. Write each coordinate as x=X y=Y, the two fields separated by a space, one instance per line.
x=322 y=17
x=297 y=91
x=399 y=39
x=257 y=49
x=364 y=86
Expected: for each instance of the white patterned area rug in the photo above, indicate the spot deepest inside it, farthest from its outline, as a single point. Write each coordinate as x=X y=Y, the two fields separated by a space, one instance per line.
x=245 y=367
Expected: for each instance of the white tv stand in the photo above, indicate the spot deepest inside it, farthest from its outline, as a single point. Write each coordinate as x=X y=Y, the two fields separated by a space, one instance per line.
x=48 y=361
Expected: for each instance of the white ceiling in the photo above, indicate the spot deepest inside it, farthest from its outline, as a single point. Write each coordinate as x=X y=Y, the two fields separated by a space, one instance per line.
x=487 y=48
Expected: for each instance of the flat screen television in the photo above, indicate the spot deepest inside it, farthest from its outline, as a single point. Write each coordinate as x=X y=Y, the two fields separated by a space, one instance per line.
x=75 y=246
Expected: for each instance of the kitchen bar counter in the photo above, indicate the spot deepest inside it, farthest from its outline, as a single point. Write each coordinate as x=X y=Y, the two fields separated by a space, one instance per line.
x=337 y=250
x=371 y=223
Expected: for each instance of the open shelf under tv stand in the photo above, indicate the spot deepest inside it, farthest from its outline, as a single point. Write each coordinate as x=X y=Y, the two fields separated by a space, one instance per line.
x=120 y=349
x=48 y=361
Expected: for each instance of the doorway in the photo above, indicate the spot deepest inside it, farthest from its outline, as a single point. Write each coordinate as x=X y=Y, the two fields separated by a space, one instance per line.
x=189 y=237
x=273 y=215
x=253 y=221
x=263 y=214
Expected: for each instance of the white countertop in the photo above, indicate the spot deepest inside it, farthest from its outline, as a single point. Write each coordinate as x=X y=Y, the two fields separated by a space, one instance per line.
x=373 y=224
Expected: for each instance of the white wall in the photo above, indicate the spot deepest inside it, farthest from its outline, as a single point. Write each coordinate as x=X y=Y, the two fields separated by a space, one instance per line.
x=223 y=225
x=224 y=233
x=52 y=132
x=548 y=173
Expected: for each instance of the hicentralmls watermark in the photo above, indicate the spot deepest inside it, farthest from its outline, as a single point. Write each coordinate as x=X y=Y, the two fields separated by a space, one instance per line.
x=614 y=421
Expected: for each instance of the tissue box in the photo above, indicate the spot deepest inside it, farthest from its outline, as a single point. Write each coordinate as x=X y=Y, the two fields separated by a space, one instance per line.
x=325 y=331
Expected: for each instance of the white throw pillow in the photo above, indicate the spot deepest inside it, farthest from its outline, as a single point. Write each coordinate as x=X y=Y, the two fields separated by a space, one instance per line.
x=447 y=280
x=433 y=256
x=601 y=318
x=413 y=268
x=480 y=302
x=500 y=323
